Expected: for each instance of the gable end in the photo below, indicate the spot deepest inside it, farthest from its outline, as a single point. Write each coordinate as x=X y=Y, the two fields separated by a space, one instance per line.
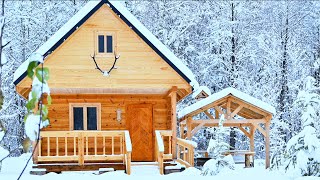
x=115 y=10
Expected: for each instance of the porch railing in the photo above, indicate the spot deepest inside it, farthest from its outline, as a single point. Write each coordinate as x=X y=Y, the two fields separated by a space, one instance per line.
x=84 y=146
x=160 y=148
x=185 y=150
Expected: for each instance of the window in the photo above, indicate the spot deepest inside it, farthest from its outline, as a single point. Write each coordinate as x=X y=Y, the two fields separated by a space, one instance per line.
x=105 y=43
x=85 y=116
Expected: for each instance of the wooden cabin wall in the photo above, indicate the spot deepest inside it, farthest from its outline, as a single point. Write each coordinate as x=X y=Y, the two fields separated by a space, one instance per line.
x=59 y=116
x=59 y=110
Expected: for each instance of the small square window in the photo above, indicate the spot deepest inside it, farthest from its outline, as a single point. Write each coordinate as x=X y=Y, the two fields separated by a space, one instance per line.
x=105 y=43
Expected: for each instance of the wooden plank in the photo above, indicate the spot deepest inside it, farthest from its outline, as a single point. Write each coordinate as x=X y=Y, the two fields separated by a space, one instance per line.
x=173 y=96
x=236 y=111
x=244 y=131
x=66 y=146
x=252 y=132
x=195 y=130
x=57 y=146
x=231 y=121
x=72 y=167
x=267 y=141
x=261 y=130
x=48 y=146
x=208 y=114
x=112 y=144
x=183 y=163
x=189 y=127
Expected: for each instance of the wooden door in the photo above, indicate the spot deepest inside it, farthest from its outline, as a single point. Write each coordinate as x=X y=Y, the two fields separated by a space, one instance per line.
x=139 y=121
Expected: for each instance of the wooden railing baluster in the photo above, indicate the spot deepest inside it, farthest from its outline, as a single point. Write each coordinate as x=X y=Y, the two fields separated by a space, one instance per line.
x=65 y=146
x=104 y=145
x=112 y=144
x=57 y=146
x=95 y=145
x=74 y=146
x=87 y=146
x=48 y=146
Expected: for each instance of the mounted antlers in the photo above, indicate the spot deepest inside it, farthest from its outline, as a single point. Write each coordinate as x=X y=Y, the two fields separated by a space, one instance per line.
x=106 y=73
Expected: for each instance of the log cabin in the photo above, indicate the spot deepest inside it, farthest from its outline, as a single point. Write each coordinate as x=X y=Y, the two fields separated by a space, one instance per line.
x=114 y=89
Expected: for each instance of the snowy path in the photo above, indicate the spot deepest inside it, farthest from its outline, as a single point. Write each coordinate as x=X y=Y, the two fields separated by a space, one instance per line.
x=12 y=167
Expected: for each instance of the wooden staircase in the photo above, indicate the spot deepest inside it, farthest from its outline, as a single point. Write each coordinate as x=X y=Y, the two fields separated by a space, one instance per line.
x=185 y=152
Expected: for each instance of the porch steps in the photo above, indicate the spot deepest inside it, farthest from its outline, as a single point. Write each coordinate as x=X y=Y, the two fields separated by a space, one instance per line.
x=105 y=170
x=172 y=167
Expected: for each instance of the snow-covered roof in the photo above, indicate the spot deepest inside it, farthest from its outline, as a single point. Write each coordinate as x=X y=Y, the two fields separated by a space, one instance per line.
x=221 y=94
x=78 y=19
x=205 y=89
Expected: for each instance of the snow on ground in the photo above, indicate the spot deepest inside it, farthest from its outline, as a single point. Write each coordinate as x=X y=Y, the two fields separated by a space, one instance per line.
x=13 y=166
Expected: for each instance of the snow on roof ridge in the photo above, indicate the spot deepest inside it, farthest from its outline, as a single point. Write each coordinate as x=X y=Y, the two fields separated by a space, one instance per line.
x=205 y=89
x=225 y=92
x=135 y=22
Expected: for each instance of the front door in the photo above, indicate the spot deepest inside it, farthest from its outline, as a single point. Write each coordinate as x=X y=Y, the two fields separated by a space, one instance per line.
x=139 y=121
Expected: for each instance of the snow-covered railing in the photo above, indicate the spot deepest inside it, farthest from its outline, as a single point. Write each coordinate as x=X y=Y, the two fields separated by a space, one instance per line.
x=84 y=146
x=128 y=149
x=185 y=150
x=160 y=149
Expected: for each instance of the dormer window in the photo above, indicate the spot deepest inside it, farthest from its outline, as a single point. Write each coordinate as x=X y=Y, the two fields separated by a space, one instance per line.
x=105 y=43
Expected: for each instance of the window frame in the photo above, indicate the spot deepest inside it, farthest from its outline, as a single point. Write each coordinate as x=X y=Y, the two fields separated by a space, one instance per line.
x=85 y=119
x=105 y=34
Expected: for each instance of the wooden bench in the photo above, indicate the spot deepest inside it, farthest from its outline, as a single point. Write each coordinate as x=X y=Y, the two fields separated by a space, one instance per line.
x=248 y=156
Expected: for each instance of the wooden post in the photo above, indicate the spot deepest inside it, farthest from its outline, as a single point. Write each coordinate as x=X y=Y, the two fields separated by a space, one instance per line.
x=252 y=131
x=181 y=127
x=189 y=128
x=161 y=163
x=267 y=141
x=80 y=149
x=36 y=152
x=173 y=97
x=128 y=168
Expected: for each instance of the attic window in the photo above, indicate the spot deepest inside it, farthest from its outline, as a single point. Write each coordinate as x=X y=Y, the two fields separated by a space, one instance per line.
x=105 y=43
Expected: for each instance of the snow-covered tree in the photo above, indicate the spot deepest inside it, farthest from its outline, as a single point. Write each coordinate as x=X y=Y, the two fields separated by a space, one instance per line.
x=216 y=149
x=303 y=149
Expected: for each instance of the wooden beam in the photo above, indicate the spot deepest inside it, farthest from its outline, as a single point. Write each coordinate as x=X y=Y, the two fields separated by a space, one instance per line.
x=228 y=109
x=250 y=106
x=189 y=127
x=173 y=90
x=195 y=130
x=244 y=131
x=216 y=114
x=208 y=114
x=261 y=130
x=217 y=108
x=231 y=121
x=173 y=97
x=211 y=105
x=236 y=111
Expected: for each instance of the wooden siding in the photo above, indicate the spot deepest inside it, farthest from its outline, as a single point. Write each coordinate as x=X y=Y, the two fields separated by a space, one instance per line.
x=59 y=110
x=59 y=115
x=139 y=68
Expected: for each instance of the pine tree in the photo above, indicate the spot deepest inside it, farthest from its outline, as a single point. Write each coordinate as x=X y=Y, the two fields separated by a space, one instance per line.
x=303 y=149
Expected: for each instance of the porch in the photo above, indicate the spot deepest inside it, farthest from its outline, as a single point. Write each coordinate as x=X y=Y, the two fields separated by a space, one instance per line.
x=59 y=151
